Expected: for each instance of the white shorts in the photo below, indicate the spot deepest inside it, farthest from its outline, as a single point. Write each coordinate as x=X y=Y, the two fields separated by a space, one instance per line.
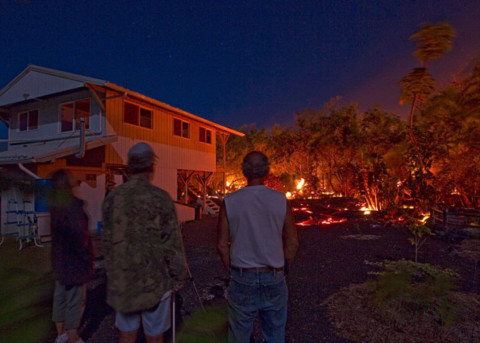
x=155 y=321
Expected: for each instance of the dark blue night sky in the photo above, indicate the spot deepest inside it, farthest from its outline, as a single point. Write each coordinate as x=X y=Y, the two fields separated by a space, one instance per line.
x=237 y=62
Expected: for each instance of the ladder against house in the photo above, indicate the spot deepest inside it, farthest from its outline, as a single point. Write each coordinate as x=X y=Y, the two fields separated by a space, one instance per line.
x=211 y=207
x=11 y=221
x=22 y=223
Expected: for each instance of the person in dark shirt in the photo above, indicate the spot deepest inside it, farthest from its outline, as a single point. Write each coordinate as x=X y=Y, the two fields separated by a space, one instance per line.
x=72 y=257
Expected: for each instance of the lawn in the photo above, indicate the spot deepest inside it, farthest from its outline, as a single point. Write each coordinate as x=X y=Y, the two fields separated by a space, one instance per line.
x=25 y=293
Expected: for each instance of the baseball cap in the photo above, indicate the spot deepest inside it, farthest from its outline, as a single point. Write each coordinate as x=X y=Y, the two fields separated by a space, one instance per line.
x=140 y=156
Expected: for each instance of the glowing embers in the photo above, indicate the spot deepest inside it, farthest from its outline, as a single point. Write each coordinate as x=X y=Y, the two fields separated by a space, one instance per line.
x=333 y=220
x=366 y=210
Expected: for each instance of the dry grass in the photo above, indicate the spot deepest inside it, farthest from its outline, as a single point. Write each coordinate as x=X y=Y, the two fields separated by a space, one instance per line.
x=355 y=317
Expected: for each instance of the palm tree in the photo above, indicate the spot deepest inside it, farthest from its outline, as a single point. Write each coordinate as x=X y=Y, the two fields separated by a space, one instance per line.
x=433 y=41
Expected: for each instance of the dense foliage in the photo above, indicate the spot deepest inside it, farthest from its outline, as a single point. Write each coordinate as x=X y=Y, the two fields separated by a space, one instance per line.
x=376 y=156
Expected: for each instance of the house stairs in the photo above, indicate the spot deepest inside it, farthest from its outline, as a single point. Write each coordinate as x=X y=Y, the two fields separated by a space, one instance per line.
x=211 y=207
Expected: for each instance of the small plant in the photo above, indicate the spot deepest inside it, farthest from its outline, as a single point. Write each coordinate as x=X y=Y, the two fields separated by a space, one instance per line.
x=406 y=287
x=420 y=235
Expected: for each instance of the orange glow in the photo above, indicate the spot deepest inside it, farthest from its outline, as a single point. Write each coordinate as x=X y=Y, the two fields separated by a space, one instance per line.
x=366 y=210
x=300 y=183
x=425 y=218
x=288 y=195
x=330 y=220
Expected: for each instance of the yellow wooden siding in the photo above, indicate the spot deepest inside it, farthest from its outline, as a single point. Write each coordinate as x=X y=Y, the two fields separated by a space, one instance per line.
x=162 y=132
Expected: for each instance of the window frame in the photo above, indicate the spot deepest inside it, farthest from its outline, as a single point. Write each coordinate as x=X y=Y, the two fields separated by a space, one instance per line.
x=28 y=126
x=205 y=137
x=139 y=110
x=75 y=121
x=182 y=128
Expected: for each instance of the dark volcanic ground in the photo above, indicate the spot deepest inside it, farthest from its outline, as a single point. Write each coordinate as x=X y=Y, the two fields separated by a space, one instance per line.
x=329 y=258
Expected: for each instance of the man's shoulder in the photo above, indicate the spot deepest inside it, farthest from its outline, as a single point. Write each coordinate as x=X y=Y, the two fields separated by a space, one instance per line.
x=263 y=189
x=144 y=190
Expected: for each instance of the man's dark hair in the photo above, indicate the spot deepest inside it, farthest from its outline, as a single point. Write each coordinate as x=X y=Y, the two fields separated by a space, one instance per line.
x=255 y=165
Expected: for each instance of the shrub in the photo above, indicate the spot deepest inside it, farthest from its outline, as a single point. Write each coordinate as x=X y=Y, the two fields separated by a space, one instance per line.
x=406 y=287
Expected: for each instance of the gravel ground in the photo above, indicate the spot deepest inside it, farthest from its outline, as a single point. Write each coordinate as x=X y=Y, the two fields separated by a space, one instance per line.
x=329 y=259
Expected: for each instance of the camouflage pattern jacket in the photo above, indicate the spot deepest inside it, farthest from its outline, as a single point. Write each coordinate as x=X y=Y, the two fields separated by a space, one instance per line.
x=142 y=245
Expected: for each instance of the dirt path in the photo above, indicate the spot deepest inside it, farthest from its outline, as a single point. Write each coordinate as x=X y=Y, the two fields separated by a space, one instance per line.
x=329 y=259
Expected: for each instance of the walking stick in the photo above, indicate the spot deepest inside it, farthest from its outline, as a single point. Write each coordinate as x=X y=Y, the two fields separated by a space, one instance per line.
x=190 y=277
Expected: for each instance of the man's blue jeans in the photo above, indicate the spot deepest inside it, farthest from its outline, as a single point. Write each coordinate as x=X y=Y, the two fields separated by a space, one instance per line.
x=249 y=293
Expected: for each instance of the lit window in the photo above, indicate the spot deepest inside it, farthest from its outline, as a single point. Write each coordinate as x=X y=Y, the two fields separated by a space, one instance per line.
x=66 y=117
x=70 y=114
x=181 y=128
x=205 y=135
x=135 y=115
x=82 y=110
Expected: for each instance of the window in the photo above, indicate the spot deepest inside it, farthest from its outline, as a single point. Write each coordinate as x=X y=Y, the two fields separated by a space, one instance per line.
x=135 y=115
x=205 y=135
x=145 y=118
x=70 y=114
x=28 y=120
x=82 y=110
x=181 y=128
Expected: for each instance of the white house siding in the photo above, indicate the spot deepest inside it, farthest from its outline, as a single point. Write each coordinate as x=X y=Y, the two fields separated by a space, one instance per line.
x=48 y=118
x=32 y=83
x=169 y=161
x=93 y=197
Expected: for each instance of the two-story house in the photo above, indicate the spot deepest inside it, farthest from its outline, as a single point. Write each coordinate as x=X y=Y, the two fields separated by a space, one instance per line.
x=58 y=120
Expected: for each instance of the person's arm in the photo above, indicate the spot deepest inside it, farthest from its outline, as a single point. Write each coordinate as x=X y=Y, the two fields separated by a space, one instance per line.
x=290 y=237
x=223 y=236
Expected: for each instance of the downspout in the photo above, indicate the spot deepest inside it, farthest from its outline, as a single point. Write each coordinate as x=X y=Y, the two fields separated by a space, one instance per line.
x=81 y=150
x=28 y=171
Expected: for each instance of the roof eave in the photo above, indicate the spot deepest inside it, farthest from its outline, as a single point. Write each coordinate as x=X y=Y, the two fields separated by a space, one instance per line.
x=173 y=109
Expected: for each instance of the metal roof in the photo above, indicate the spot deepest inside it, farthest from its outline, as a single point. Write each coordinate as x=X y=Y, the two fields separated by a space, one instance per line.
x=51 y=150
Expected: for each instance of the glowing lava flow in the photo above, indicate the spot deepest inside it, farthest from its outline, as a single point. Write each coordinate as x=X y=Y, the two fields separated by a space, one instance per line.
x=300 y=183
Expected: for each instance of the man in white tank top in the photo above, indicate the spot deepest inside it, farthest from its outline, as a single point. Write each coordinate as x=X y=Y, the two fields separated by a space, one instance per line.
x=256 y=237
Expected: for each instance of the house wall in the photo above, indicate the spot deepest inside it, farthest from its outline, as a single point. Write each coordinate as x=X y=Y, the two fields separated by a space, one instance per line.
x=173 y=152
x=48 y=117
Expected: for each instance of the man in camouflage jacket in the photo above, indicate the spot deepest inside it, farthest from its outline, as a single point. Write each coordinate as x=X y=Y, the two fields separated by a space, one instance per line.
x=144 y=257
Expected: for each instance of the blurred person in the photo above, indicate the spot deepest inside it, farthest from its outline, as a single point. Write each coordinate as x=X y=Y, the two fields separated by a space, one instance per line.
x=72 y=257
x=256 y=242
x=143 y=249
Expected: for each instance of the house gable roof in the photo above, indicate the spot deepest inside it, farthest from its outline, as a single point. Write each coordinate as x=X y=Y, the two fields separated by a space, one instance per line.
x=26 y=85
